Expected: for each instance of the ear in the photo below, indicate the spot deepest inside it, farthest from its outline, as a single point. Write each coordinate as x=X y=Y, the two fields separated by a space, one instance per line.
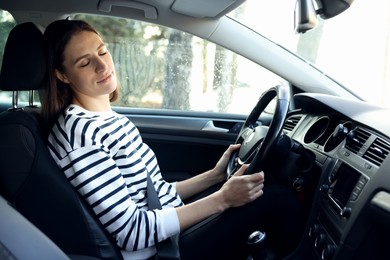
x=61 y=76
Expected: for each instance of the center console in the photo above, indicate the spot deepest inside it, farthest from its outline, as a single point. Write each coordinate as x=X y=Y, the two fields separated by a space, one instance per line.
x=338 y=192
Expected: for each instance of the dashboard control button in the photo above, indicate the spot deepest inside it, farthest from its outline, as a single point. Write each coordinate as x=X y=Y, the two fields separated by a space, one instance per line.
x=345 y=212
x=314 y=230
x=320 y=241
x=328 y=252
x=324 y=188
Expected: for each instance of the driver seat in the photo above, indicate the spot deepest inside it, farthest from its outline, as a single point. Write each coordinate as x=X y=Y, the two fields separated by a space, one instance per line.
x=30 y=180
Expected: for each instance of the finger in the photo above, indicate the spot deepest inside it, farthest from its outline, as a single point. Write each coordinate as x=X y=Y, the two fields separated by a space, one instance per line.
x=242 y=170
x=260 y=186
x=259 y=176
x=257 y=189
x=235 y=146
x=232 y=148
x=258 y=194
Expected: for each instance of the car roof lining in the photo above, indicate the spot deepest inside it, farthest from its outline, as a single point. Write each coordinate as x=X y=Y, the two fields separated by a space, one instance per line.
x=198 y=9
x=205 y=8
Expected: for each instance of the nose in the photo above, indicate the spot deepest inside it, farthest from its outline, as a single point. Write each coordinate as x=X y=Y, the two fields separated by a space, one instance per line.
x=101 y=64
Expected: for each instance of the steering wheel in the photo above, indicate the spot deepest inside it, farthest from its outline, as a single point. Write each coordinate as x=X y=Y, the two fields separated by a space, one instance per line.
x=257 y=140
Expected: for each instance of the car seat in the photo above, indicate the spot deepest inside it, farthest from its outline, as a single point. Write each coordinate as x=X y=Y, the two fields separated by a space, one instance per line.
x=30 y=180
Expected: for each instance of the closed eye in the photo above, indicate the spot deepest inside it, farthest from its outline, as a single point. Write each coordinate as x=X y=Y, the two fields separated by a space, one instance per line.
x=84 y=64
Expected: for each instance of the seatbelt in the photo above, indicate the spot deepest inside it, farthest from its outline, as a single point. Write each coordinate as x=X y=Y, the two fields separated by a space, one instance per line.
x=168 y=248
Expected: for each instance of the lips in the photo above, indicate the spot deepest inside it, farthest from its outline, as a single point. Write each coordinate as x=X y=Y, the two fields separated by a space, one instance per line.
x=105 y=79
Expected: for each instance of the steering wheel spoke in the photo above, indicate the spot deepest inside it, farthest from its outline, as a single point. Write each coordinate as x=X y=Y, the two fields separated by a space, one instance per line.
x=257 y=140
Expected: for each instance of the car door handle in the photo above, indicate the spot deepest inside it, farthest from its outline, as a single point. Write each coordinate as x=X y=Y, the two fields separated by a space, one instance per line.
x=209 y=126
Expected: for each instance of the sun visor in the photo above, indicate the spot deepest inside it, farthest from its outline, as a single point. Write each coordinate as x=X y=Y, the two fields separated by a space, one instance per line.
x=205 y=8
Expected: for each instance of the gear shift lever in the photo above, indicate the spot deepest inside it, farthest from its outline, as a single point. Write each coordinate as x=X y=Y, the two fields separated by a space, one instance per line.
x=257 y=246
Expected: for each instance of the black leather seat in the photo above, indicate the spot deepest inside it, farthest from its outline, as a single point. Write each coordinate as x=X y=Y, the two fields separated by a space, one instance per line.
x=17 y=232
x=30 y=180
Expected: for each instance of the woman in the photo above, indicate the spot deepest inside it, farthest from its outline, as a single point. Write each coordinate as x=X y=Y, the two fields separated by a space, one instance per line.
x=104 y=158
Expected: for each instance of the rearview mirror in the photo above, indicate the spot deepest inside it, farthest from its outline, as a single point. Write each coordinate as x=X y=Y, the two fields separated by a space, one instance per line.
x=305 y=13
x=331 y=8
x=305 y=16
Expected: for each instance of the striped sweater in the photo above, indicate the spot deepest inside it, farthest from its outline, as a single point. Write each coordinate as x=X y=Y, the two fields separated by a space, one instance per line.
x=103 y=156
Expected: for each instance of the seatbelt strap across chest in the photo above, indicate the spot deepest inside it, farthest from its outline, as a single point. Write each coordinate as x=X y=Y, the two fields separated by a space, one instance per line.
x=168 y=248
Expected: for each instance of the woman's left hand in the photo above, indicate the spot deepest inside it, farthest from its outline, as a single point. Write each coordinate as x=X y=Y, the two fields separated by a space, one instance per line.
x=220 y=168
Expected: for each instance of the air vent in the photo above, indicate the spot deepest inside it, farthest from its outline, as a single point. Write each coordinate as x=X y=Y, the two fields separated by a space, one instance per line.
x=356 y=138
x=377 y=151
x=291 y=122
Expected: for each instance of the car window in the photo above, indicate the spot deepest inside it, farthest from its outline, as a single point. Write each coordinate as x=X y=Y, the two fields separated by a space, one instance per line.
x=7 y=22
x=344 y=47
x=162 y=68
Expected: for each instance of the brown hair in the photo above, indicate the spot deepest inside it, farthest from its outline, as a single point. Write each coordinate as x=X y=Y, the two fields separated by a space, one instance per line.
x=58 y=95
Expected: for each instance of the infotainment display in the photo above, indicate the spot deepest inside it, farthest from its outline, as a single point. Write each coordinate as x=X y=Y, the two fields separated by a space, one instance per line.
x=345 y=181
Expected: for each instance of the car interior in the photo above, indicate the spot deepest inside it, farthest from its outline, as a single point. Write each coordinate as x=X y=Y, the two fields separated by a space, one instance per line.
x=334 y=147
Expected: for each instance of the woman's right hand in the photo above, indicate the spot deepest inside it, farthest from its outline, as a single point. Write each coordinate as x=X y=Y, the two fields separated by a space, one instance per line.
x=241 y=189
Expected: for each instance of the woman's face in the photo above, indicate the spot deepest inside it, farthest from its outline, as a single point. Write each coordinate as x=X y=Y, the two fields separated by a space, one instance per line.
x=89 y=69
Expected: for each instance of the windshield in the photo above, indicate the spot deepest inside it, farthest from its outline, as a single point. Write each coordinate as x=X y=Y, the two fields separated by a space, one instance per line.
x=353 y=48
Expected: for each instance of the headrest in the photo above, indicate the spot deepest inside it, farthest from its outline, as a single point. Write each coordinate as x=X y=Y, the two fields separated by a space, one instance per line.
x=24 y=59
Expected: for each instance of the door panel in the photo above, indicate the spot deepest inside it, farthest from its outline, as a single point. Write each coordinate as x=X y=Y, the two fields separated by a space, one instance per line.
x=185 y=143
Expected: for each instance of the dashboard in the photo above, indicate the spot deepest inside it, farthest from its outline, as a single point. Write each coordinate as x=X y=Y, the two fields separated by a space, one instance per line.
x=350 y=214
